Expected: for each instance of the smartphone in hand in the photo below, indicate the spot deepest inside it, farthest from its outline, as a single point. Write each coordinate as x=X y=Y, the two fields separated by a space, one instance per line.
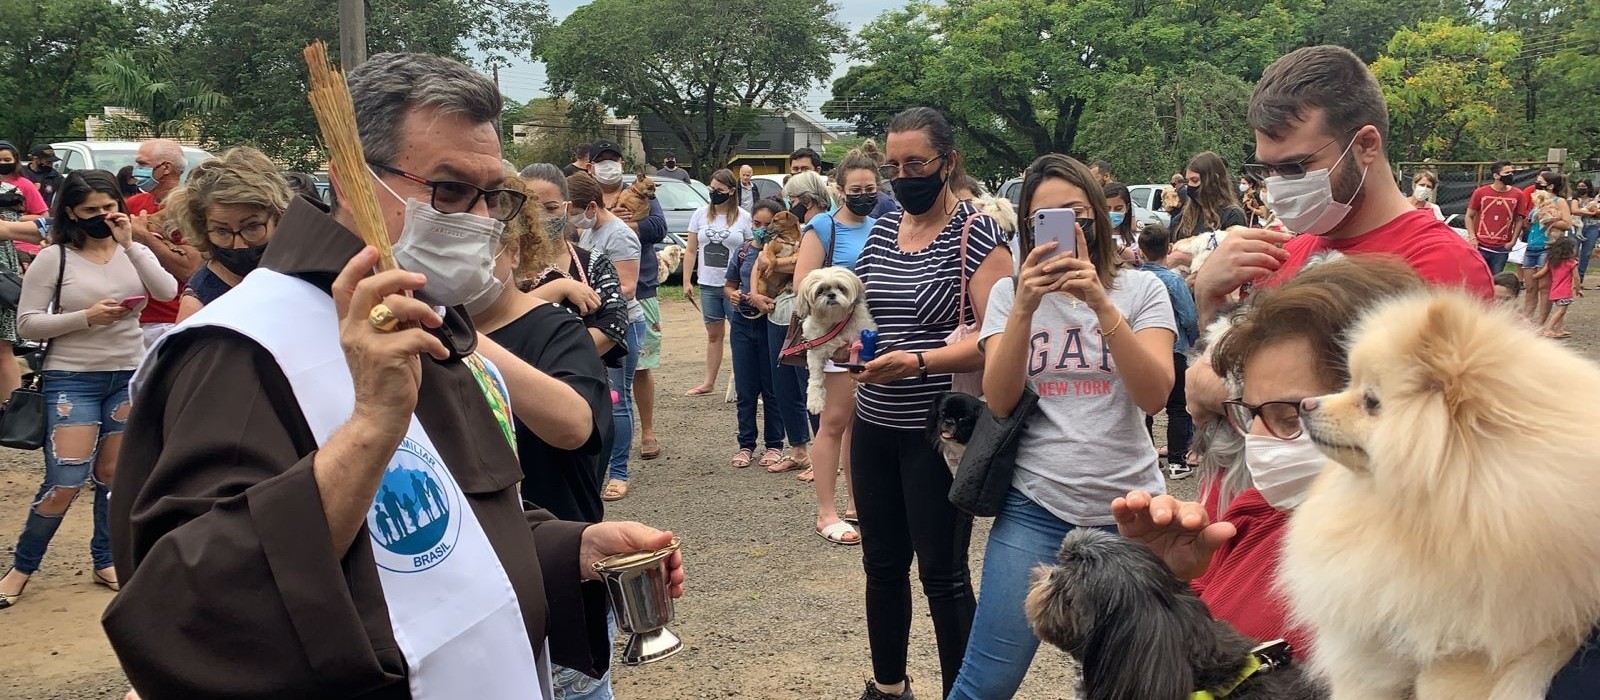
x=133 y=302
x=1059 y=225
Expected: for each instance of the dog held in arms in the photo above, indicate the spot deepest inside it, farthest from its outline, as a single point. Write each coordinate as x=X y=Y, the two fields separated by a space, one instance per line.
x=1451 y=544
x=783 y=241
x=832 y=301
x=636 y=197
x=1141 y=634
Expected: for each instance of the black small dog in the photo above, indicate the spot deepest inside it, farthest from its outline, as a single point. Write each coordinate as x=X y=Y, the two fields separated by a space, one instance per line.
x=950 y=424
x=1141 y=634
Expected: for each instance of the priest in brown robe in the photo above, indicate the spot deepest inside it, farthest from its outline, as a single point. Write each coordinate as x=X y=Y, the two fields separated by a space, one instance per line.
x=318 y=494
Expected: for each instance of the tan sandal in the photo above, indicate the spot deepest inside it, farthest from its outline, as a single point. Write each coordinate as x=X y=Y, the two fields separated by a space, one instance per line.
x=101 y=579
x=772 y=456
x=615 y=490
x=9 y=599
x=742 y=460
x=788 y=464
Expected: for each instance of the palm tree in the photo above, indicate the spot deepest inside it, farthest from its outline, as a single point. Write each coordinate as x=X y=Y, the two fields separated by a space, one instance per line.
x=159 y=105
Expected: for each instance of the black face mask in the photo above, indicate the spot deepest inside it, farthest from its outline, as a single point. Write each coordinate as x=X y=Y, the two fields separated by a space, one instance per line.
x=719 y=198
x=95 y=227
x=239 y=261
x=44 y=168
x=799 y=210
x=671 y=164
x=861 y=204
x=8 y=168
x=1504 y=179
x=918 y=194
x=1192 y=190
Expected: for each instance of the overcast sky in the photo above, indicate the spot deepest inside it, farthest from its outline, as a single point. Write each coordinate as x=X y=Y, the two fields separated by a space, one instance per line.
x=527 y=80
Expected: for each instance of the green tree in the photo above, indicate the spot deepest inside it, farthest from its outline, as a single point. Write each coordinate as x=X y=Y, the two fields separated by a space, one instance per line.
x=1148 y=129
x=1448 y=91
x=259 y=43
x=706 y=73
x=1365 y=26
x=162 y=107
x=47 y=57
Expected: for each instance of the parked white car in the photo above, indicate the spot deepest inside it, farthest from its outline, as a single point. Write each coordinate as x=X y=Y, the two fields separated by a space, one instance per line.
x=1143 y=212
x=111 y=155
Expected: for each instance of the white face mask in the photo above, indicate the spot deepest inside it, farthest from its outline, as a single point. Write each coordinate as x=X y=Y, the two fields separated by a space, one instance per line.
x=608 y=171
x=1282 y=469
x=1423 y=193
x=1307 y=205
x=583 y=221
x=454 y=251
x=491 y=293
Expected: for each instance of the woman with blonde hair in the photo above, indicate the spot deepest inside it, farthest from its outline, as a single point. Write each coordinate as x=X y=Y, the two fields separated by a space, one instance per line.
x=227 y=209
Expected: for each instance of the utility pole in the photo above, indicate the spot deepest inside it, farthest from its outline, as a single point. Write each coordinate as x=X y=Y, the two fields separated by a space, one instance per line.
x=352 y=34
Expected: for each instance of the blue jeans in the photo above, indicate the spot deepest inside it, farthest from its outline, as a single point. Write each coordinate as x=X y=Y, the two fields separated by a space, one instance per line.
x=622 y=410
x=574 y=685
x=752 y=378
x=74 y=399
x=1495 y=259
x=789 y=383
x=1002 y=644
x=1591 y=233
x=714 y=305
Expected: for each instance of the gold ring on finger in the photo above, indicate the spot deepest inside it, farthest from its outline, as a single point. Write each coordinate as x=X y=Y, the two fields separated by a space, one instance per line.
x=383 y=319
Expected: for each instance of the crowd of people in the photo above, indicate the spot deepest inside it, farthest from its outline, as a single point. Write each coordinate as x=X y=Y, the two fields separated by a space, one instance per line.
x=282 y=423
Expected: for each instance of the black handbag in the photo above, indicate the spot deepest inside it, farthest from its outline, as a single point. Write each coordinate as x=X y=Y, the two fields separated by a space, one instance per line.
x=984 y=476
x=10 y=289
x=22 y=424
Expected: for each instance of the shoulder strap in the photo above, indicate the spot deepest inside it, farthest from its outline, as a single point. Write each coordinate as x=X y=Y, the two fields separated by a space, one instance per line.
x=833 y=241
x=577 y=263
x=55 y=308
x=961 y=264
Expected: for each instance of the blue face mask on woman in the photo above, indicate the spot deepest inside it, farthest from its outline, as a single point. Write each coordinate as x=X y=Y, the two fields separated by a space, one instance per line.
x=1117 y=217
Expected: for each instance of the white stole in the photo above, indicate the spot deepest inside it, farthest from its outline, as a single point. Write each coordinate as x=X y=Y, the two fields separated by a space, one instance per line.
x=451 y=604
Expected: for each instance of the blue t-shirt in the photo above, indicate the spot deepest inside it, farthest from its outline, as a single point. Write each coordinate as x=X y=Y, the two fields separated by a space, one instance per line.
x=740 y=268
x=851 y=238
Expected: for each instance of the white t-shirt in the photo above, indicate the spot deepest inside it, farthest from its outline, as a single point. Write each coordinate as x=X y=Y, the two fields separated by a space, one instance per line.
x=717 y=243
x=1085 y=445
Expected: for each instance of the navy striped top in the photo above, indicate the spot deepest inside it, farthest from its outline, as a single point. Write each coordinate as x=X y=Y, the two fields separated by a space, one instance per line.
x=913 y=298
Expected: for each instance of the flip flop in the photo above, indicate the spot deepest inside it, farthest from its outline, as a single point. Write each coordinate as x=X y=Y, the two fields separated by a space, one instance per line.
x=649 y=449
x=788 y=464
x=772 y=456
x=700 y=391
x=836 y=532
x=615 y=491
x=742 y=459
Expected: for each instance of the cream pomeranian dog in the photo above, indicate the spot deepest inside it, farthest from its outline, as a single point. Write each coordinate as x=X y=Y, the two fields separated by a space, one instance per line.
x=834 y=306
x=1451 y=546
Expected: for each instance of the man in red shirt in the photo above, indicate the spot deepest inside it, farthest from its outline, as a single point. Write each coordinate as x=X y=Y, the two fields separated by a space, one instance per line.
x=1496 y=215
x=1320 y=149
x=163 y=161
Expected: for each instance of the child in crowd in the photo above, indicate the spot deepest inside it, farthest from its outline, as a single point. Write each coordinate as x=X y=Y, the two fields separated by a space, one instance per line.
x=1154 y=247
x=1507 y=287
x=1561 y=268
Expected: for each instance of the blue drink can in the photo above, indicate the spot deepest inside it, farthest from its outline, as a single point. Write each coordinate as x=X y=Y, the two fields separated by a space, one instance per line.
x=869 y=345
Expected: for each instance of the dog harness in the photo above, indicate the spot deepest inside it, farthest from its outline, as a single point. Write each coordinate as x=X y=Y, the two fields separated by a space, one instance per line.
x=1261 y=661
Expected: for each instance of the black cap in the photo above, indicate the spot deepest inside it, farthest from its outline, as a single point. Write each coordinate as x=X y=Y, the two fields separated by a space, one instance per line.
x=46 y=152
x=603 y=147
x=670 y=156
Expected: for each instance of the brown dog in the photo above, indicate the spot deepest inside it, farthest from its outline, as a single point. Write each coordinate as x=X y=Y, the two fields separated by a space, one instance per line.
x=783 y=241
x=636 y=197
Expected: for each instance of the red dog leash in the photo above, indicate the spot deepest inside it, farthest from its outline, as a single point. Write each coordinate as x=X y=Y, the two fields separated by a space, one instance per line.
x=809 y=343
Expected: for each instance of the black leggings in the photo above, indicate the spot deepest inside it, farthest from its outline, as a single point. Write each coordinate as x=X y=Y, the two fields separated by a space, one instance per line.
x=902 y=495
x=1180 y=427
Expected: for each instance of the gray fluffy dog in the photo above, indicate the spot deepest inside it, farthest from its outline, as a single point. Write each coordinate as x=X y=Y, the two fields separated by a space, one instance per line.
x=1141 y=634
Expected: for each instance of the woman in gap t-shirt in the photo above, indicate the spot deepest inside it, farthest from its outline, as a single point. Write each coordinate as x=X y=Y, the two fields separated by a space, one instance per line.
x=715 y=232
x=1094 y=341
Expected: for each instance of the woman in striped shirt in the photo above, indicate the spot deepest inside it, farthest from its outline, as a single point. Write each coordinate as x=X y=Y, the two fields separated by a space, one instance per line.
x=912 y=266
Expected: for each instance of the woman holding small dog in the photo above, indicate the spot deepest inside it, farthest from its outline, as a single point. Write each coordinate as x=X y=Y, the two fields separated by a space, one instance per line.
x=1094 y=341
x=715 y=232
x=912 y=267
x=1288 y=346
x=754 y=369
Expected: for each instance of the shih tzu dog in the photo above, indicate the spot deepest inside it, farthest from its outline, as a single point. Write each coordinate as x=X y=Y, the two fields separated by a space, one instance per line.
x=950 y=424
x=1141 y=634
x=834 y=305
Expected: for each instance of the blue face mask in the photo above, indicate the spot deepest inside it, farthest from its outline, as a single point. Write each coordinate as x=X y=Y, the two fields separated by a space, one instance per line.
x=760 y=235
x=1117 y=217
x=143 y=172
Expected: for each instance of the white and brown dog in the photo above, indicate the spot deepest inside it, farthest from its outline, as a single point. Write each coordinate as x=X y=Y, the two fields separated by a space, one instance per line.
x=834 y=306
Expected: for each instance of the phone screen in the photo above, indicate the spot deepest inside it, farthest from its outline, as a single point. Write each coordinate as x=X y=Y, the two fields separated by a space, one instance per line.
x=1059 y=225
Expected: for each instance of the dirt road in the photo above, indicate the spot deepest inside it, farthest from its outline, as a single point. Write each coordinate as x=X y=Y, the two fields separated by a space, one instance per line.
x=772 y=610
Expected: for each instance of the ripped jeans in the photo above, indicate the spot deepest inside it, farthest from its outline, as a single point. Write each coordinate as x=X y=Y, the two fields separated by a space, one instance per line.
x=98 y=399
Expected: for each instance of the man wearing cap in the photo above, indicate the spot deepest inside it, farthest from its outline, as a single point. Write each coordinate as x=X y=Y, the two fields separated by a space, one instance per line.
x=669 y=168
x=42 y=171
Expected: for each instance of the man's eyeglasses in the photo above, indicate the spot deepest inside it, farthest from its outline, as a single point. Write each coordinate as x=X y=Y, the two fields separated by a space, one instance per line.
x=254 y=234
x=910 y=168
x=1290 y=171
x=1281 y=418
x=451 y=197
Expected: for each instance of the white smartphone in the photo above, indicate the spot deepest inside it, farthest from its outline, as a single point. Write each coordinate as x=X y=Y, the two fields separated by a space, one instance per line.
x=1059 y=225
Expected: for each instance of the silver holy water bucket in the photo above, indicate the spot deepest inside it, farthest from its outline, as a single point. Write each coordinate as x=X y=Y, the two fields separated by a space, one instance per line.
x=640 y=595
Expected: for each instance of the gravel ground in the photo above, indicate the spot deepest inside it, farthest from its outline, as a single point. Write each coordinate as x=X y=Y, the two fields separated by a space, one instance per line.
x=772 y=611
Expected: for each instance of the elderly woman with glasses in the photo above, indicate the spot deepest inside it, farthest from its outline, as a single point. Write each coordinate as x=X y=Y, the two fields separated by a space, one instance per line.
x=1286 y=347
x=227 y=209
